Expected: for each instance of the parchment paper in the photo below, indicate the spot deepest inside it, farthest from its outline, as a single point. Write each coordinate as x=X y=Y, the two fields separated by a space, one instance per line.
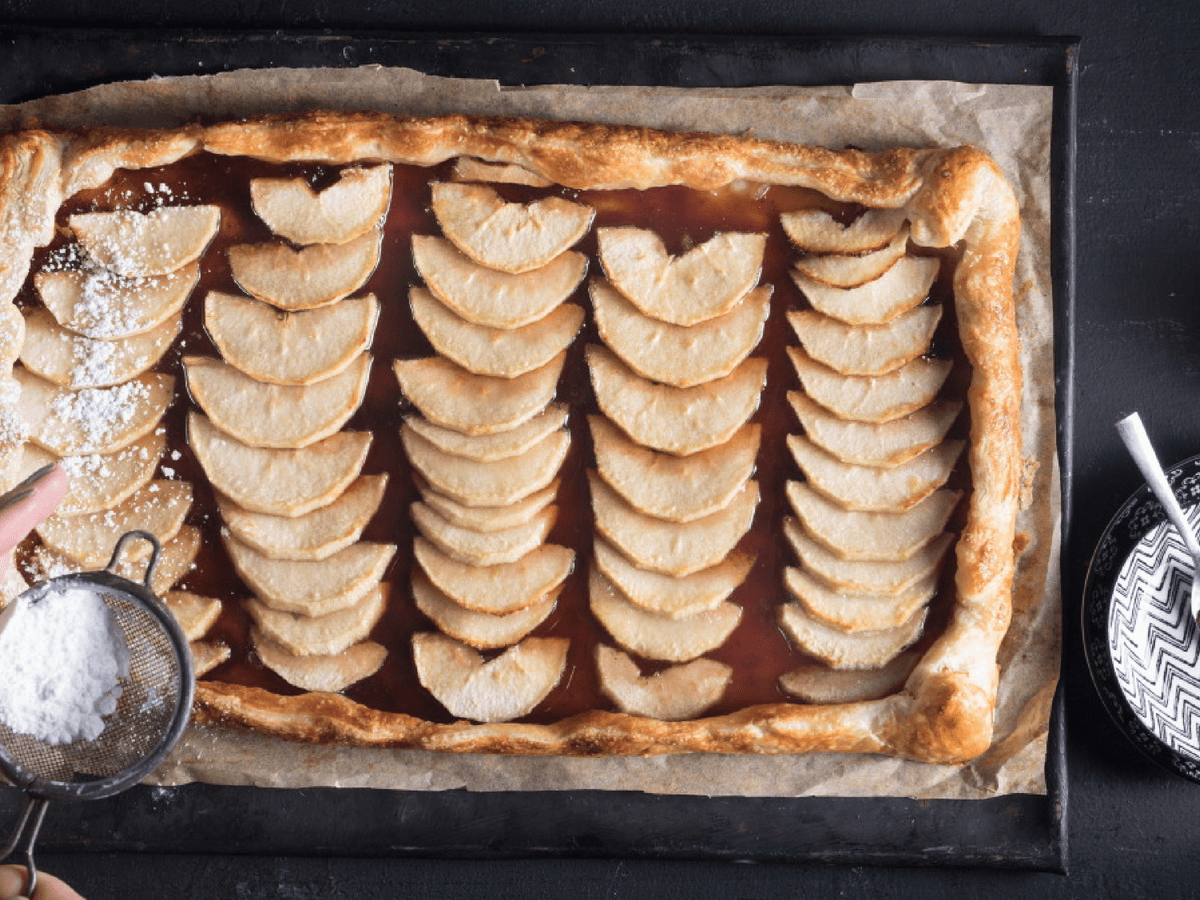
x=1012 y=123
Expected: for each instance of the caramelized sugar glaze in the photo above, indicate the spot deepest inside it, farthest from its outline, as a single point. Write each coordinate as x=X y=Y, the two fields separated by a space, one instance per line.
x=757 y=650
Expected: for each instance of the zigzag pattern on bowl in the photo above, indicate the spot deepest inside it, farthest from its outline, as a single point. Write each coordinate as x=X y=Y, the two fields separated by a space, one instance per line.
x=1155 y=645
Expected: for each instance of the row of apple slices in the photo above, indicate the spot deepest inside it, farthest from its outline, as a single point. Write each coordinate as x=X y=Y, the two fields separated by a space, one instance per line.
x=870 y=516
x=92 y=409
x=487 y=444
x=672 y=493
x=294 y=369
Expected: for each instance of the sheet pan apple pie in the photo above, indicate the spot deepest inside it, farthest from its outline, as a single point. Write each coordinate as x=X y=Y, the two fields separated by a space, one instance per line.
x=498 y=435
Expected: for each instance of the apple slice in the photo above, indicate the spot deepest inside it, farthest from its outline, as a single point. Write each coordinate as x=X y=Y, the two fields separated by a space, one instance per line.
x=100 y=304
x=488 y=518
x=700 y=284
x=668 y=595
x=349 y=207
x=275 y=415
x=902 y=287
x=158 y=508
x=307 y=278
x=194 y=613
x=500 y=352
x=816 y=231
x=848 y=650
x=866 y=349
x=676 y=488
x=673 y=694
x=872 y=489
x=492 y=447
x=96 y=482
x=92 y=420
x=511 y=237
x=483 y=631
x=176 y=560
x=312 y=588
x=871 y=398
x=138 y=245
x=301 y=347
x=671 y=548
x=487 y=483
x=504 y=688
x=875 y=444
x=331 y=673
x=278 y=482
x=454 y=398
x=315 y=535
x=883 y=536
x=490 y=297
x=842 y=271
x=483 y=548
x=12 y=333
x=74 y=361
x=674 y=354
x=817 y=684
x=864 y=576
x=207 y=655
x=497 y=590
x=856 y=612
x=325 y=635
x=675 y=420
x=657 y=637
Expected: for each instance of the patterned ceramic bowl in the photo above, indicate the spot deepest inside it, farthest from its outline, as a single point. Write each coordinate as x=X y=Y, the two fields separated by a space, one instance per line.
x=1142 y=645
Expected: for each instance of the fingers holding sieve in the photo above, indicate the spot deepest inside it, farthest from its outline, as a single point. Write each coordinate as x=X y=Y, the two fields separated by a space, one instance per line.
x=28 y=504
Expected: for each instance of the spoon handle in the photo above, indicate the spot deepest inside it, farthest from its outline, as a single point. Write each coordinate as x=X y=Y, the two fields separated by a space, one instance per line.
x=1133 y=433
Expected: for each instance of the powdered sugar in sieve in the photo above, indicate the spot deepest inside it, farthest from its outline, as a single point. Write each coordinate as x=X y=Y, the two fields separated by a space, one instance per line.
x=97 y=688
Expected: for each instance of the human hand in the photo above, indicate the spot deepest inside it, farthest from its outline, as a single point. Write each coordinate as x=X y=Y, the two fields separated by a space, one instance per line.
x=27 y=505
x=12 y=882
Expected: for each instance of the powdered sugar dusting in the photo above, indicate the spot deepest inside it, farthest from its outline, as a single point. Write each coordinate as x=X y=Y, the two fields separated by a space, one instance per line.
x=146 y=243
x=101 y=303
x=103 y=309
x=13 y=429
x=46 y=564
x=97 y=466
x=90 y=465
x=99 y=415
x=67 y=258
x=95 y=363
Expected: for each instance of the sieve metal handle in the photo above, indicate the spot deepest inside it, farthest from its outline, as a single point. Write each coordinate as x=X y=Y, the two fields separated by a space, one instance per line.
x=155 y=551
x=25 y=836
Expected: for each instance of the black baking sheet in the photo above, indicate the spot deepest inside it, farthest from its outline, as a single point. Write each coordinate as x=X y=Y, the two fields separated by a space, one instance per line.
x=1016 y=831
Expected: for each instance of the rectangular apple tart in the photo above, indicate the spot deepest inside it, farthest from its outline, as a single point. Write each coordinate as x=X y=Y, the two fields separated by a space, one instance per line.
x=510 y=436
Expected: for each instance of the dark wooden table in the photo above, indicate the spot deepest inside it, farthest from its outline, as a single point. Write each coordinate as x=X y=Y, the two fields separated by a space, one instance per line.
x=1137 y=220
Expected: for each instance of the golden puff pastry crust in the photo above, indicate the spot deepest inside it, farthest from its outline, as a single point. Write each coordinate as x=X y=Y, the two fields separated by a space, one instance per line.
x=953 y=198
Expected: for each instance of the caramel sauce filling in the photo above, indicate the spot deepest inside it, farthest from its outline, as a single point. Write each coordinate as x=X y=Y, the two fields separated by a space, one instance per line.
x=757 y=651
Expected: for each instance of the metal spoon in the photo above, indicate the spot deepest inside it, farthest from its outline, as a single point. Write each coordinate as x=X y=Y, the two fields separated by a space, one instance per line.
x=1133 y=433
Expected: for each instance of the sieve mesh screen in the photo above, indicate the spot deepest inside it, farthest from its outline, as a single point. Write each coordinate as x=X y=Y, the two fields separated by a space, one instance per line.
x=136 y=730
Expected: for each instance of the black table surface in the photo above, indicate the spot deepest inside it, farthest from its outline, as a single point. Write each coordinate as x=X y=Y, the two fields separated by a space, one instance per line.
x=1137 y=322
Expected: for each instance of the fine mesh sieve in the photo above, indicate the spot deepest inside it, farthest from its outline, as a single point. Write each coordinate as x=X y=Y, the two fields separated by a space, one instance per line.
x=151 y=713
